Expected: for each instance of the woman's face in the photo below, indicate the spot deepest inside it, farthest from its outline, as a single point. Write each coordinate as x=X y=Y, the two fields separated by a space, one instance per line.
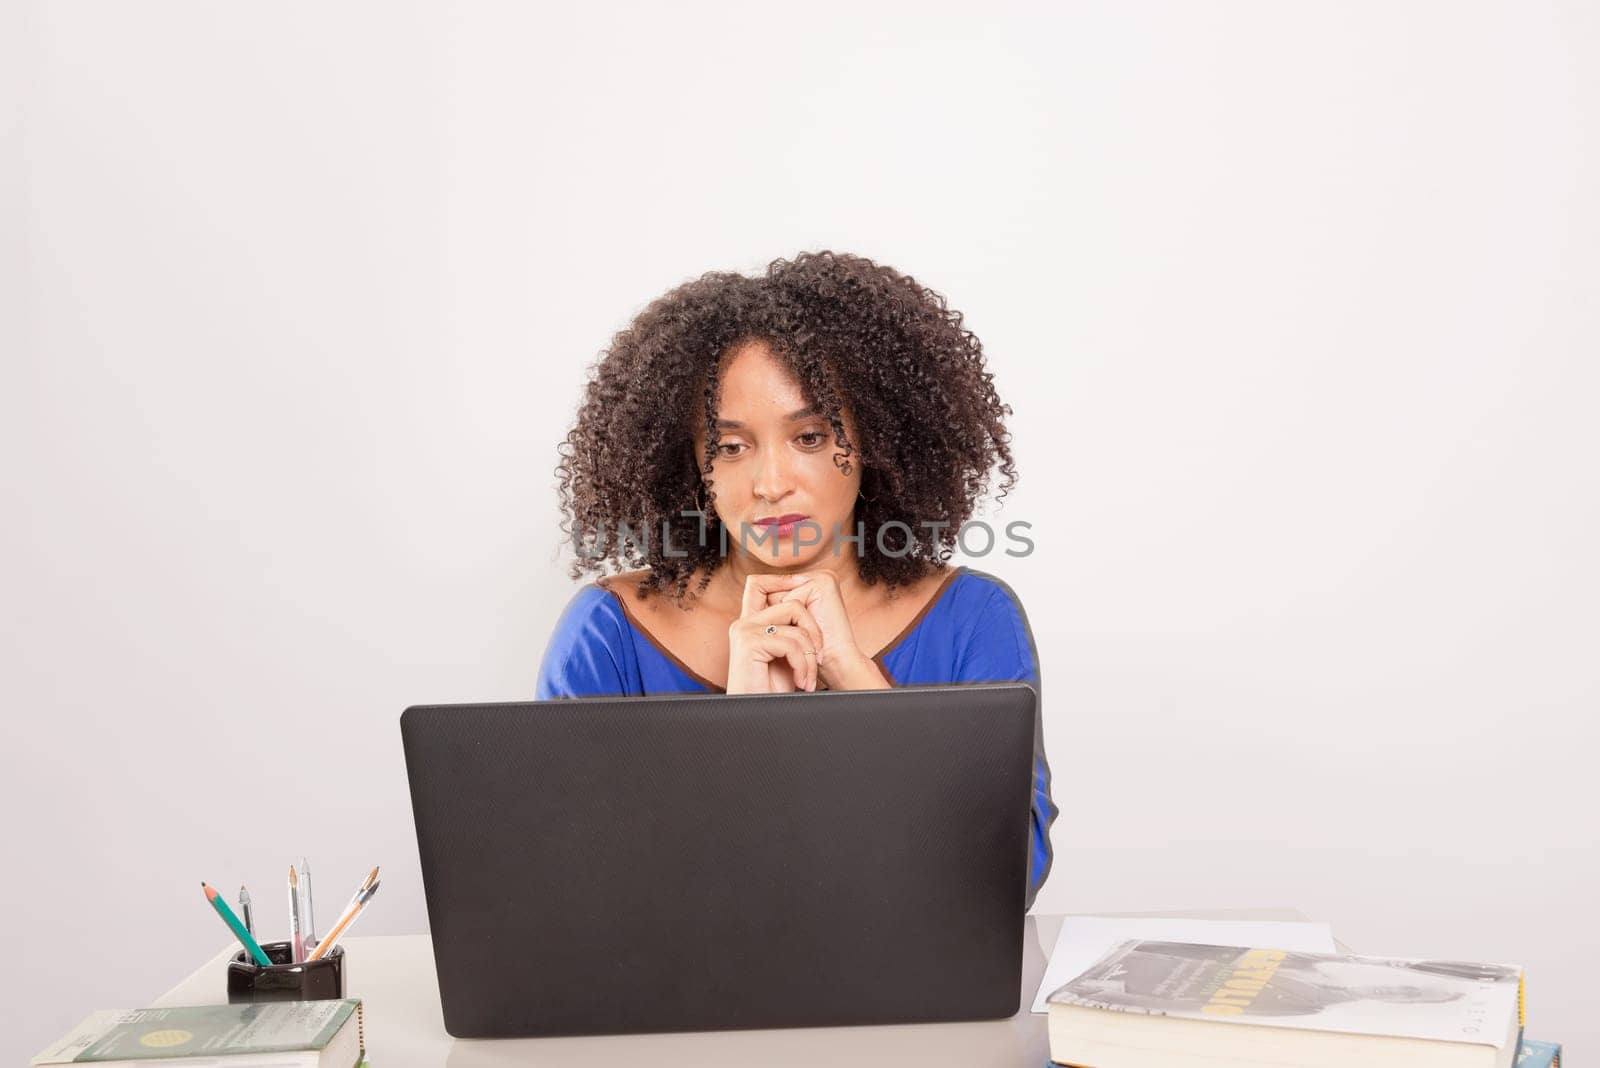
x=775 y=461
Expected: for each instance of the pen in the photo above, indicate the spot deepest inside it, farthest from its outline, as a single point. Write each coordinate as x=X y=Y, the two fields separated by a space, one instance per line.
x=297 y=943
x=358 y=902
x=244 y=910
x=307 y=921
x=235 y=926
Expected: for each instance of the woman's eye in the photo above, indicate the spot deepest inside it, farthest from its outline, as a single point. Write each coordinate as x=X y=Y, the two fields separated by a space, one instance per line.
x=811 y=440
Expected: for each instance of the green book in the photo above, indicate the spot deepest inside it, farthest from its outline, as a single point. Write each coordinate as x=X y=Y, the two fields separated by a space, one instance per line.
x=311 y=1034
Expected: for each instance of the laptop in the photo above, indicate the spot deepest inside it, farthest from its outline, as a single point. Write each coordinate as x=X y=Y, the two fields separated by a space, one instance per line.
x=697 y=862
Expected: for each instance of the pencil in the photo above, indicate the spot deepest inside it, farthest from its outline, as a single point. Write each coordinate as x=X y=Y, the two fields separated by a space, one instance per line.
x=244 y=910
x=353 y=913
x=296 y=938
x=363 y=894
x=308 y=921
x=235 y=926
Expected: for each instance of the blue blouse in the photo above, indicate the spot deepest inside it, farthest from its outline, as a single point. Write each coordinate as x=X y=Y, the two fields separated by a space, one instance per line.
x=972 y=630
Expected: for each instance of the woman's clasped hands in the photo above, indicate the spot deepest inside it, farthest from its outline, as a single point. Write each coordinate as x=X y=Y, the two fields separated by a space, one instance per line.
x=792 y=634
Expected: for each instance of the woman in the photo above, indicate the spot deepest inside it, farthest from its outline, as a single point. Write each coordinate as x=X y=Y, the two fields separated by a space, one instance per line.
x=801 y=448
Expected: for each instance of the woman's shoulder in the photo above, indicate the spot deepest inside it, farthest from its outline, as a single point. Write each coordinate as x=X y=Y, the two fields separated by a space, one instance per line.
x=622 y=592
x=589 y=651
x=974 y=590
x=615 y=600
x=592 y=609
x=625 y=581
x=994 y=635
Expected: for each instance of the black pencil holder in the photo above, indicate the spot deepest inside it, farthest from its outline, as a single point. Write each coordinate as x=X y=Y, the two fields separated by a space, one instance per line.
x=311 y=980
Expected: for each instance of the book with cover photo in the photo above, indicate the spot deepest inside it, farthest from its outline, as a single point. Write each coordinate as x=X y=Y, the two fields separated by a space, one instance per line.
x=1147 y=997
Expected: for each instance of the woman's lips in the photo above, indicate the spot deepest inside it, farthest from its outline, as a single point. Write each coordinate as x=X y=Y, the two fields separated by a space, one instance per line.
x=784 y=524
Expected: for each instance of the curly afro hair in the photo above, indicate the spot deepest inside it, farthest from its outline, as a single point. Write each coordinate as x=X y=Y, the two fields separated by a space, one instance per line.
x=856 y=335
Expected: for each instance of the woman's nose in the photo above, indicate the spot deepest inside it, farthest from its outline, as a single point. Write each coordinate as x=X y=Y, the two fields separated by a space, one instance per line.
x=774 y=475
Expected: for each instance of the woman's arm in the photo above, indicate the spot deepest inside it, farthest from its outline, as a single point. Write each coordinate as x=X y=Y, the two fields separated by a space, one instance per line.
x=1001 y=649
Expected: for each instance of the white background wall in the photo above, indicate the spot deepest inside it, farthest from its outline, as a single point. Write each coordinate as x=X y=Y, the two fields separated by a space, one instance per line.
x=1295 y=304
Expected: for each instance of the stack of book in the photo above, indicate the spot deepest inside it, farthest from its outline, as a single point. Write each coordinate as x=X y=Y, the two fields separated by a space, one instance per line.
x=1155 y=1004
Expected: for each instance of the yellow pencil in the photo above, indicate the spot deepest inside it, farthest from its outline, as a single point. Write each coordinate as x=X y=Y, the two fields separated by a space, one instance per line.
x=363 y=894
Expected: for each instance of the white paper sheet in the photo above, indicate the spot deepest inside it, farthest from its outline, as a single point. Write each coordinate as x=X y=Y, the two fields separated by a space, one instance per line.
x=1085 y=939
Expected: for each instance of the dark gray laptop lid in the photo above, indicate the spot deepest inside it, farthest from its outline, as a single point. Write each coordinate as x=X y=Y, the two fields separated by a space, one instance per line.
x=700 y=862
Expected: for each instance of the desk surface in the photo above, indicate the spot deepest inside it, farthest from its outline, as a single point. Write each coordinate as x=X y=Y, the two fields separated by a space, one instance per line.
x=394 y=975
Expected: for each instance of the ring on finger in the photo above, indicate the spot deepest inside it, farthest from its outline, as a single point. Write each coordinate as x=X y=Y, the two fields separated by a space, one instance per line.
x=772 y=629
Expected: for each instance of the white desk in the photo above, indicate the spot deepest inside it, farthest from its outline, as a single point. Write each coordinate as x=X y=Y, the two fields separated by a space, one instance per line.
x=394 y=975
